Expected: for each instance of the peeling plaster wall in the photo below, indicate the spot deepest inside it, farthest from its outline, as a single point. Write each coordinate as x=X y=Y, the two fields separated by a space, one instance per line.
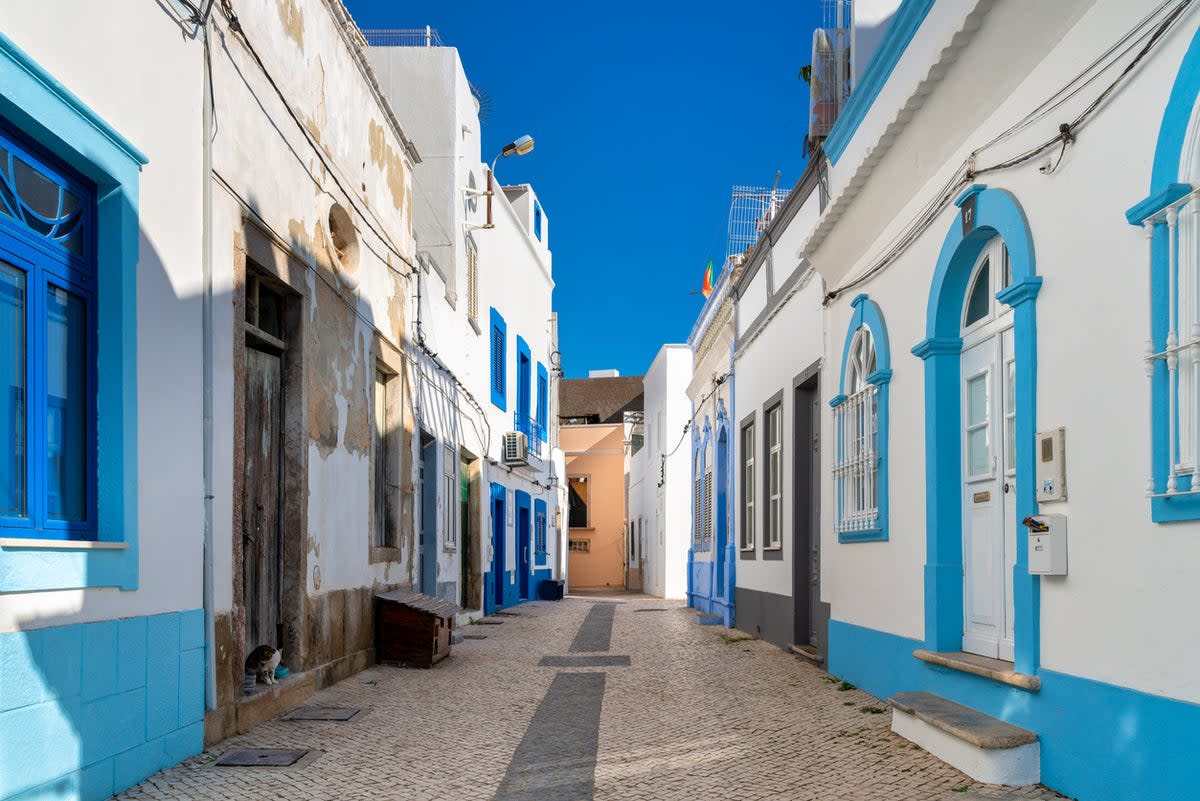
x=277 y=179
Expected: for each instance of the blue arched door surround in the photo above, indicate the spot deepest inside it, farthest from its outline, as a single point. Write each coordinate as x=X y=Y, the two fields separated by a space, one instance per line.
x=996 y=213
x=722 y=509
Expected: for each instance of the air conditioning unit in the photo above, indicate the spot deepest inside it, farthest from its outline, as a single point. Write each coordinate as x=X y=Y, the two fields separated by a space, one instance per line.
x=516 y=448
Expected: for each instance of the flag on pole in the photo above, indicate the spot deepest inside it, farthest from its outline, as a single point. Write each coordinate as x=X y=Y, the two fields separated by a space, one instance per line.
x=707 y=288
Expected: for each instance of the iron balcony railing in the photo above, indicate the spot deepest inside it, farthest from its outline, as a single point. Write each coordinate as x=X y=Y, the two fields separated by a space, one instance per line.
x=533 y=430
x=403 y=37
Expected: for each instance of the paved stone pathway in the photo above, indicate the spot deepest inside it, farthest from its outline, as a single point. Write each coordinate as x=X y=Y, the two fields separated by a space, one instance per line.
x=615 y=698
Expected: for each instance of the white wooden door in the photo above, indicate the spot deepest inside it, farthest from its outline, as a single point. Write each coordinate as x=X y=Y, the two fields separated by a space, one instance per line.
x=988 y=497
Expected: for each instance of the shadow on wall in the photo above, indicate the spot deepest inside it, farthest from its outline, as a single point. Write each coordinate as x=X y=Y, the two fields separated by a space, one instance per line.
x=91 y=708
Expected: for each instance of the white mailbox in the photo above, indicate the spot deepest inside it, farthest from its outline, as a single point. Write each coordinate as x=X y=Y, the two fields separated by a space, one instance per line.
x=1047 y=544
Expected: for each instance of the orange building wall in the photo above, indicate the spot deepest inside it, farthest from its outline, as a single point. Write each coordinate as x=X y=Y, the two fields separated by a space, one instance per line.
x=598 y=451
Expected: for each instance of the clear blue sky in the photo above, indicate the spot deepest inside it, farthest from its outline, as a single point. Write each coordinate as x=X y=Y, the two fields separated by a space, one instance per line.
x=645 y=114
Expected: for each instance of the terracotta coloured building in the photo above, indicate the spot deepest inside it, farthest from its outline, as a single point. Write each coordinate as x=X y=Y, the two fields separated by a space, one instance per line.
x=600 y=417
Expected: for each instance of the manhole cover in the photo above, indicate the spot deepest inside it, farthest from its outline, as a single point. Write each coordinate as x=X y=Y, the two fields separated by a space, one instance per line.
x=507 y=614
x=486 y=622
x=262 y=757
x=655 y=609
x=474 y=636
x=323 y=713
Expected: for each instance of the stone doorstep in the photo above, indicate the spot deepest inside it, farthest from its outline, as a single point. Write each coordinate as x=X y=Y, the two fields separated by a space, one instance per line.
x=976 y=728
x=994 y=669
x=807 y=652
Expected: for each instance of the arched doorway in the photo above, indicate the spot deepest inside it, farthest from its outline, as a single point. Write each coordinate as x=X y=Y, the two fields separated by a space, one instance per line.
x=971 y=522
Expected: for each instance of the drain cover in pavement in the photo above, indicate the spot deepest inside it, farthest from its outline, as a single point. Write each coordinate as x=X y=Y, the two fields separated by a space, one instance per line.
x=262 y=757
x=474 y=636
x=507 y=614
x=486 y=622
x=652 y=609
x=323 y=713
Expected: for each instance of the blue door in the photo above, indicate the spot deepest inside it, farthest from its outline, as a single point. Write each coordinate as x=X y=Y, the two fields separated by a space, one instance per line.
x=429 y=484
x=524 y=543
x=498 y=577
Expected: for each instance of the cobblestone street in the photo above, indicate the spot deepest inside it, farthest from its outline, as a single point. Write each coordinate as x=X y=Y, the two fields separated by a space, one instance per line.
x=684 y=711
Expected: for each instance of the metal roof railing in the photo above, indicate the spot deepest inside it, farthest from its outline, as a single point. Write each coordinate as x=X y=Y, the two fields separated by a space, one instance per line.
x=403 y=37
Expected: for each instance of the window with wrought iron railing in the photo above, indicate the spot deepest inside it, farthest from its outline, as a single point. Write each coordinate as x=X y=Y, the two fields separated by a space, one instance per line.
x=856 y=457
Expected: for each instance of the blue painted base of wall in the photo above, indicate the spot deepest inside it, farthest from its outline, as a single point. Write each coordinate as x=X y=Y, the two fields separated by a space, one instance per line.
x=702 y=596
x=512 y=591
x=90 y=710
x=1099 y=742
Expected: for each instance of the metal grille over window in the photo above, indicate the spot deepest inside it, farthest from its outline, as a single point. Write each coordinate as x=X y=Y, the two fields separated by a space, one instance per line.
x=708 y=510
x=856 y=420
x=1179 y=350
x=472 y=281
x=697 y=501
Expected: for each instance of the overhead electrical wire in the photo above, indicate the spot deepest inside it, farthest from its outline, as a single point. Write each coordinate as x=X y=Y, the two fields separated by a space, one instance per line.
x=662 y=457
x=967 y=172
x=332 y=170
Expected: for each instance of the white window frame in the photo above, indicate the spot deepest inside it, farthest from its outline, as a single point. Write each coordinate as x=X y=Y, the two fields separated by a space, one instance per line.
x=749 y=522
x=773 y=539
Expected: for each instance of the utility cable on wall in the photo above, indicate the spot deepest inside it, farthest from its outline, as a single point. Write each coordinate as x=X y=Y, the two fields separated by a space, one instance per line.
x=662 y=457
x=379 y=232
x=1067 y=134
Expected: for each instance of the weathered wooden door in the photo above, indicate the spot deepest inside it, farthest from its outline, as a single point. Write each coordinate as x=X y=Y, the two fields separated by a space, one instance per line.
x=262 y=553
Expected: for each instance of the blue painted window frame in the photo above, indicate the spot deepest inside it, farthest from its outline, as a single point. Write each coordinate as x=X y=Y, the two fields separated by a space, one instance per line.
x=537 y=220
x=867 y=315
x=45 y=263
x=498 y=345
x=543 y=401
x=1166 y=187
x=539 y=531
x=48 y=114
x=524 y=362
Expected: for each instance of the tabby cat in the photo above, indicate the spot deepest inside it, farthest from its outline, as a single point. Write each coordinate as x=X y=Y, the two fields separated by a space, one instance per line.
x=262 y=663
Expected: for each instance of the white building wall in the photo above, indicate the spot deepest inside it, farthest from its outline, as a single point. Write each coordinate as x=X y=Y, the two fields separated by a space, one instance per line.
x=765 y=365
x=514 y=276
x=113 y=57
x=1126 y=573
x=665 y=494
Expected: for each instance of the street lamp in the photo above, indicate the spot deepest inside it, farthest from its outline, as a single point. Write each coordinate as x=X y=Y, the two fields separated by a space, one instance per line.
x=517 y=147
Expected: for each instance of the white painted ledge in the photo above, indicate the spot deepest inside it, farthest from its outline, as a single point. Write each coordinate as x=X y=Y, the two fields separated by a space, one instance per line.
x=62 y=545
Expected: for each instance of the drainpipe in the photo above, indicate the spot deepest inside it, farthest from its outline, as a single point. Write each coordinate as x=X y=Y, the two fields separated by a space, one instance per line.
x=206 y=268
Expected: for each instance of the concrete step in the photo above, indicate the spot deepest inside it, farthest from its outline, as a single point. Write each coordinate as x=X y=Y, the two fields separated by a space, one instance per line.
x=807 y=652
x=983 y=747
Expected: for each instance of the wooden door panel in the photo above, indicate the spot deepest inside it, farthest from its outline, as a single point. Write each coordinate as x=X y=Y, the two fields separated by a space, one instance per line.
x=260 y=508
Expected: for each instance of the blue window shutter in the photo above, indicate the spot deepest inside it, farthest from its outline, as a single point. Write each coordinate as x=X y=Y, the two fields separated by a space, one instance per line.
x=543 y=399
x=523 y=386
x=499 y=376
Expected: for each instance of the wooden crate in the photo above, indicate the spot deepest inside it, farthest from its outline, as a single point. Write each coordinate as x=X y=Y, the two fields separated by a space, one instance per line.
x=412 y=629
